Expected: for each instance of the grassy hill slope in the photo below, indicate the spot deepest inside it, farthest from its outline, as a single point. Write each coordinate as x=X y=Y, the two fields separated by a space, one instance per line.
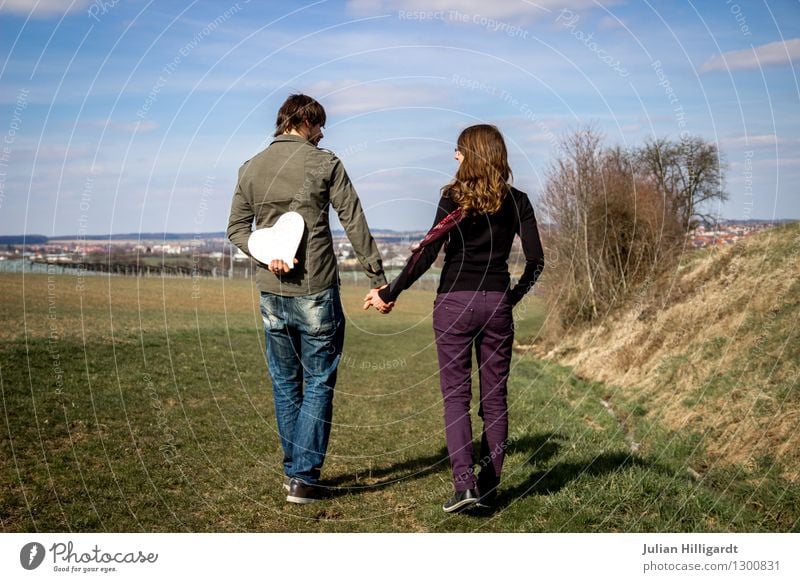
x=711 y=350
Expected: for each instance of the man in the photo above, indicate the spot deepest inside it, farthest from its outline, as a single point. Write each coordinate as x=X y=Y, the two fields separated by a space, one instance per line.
x=300 y=303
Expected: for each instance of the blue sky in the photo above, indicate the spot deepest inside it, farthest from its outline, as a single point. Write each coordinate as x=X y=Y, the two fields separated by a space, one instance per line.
x=127 y=115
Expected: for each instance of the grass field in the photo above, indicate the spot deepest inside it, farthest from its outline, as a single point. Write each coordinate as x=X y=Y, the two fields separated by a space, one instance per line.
x=144 y=405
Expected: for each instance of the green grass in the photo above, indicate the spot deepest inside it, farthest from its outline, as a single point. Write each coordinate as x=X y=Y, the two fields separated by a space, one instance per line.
x=148 y=409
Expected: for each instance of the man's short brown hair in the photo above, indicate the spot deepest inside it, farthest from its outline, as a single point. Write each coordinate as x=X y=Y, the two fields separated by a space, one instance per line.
x=296 y=110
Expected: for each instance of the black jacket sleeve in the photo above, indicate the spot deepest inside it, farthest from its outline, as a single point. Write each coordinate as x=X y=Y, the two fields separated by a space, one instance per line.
x=532 y=248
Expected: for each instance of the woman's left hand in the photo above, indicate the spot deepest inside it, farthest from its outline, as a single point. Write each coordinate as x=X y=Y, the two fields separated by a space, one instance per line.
x=373 y=299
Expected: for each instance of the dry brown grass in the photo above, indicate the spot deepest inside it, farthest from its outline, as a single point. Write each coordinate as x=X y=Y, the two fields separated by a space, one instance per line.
x=713 y=348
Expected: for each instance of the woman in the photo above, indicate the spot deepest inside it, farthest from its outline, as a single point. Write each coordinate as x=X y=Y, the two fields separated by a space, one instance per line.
x=479 y=214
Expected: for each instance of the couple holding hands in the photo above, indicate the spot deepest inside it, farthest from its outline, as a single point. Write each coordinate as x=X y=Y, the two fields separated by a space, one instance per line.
x=478 y=215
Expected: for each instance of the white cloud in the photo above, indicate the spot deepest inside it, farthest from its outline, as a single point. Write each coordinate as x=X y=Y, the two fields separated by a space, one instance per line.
x=631 y=128
x=143 y=126
x=365 y=7
x=353 y=97
x=43 y=8
x=54 y=153
x=610 y=23
x=789 y=162
x=499 y=9
x=760 y=140
x=765 y=166
x=774 y=53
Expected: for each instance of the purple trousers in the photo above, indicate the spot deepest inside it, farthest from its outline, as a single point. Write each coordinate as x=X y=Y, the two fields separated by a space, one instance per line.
x=461 y=320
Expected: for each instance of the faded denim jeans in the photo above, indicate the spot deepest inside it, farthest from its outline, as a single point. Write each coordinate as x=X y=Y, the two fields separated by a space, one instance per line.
x=304 y=339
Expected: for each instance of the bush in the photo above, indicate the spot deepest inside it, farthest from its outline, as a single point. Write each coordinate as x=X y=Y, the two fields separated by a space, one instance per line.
x=620 y=217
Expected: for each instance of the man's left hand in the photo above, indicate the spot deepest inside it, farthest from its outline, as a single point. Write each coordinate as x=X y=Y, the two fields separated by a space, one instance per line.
x=279 y=267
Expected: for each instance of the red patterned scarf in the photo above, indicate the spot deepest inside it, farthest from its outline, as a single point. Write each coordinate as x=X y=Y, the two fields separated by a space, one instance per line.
x=438 y=232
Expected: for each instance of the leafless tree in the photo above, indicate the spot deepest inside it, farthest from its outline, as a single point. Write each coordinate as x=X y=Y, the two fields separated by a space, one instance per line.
x=688 y=174
x=614 y=228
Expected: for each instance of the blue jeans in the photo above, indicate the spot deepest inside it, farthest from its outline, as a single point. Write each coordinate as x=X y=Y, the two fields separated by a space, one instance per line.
x=304 y=339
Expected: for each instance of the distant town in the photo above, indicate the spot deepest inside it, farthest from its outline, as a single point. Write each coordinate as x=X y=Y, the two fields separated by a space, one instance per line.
x=207 y=254
x=728 y=233
x=212 y=255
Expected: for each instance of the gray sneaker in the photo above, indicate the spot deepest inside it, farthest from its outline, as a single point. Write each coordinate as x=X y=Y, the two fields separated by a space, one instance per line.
x=460 y=500
x=300 y=492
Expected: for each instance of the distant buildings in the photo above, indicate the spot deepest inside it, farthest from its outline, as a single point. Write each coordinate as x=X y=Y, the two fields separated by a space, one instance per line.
x=725 y=233
x=214 y=253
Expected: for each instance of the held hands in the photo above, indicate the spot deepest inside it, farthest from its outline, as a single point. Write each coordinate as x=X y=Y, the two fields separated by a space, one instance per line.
x=373 y=299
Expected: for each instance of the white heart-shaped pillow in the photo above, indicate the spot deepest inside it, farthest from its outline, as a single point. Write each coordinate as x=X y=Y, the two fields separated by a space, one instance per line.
x=279 y=241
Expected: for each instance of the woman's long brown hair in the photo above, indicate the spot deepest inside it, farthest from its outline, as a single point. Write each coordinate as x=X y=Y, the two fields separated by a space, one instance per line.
x=482 y=179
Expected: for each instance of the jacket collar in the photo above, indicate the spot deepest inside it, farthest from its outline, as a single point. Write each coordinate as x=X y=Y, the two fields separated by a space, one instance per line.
x=290 y=137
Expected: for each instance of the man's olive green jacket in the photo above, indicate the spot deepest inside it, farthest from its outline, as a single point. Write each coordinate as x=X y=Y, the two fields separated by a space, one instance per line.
x=294 y=175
